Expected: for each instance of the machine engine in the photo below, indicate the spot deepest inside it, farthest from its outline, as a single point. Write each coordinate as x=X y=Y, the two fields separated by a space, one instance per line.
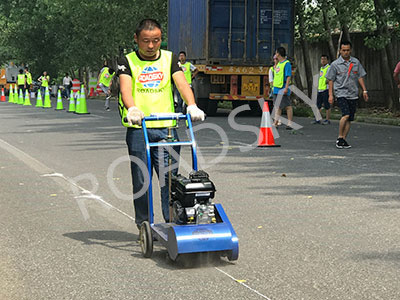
x=190 y=199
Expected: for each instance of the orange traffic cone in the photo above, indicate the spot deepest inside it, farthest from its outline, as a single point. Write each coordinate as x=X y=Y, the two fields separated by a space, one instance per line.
x=3 y=96
x=266 y=137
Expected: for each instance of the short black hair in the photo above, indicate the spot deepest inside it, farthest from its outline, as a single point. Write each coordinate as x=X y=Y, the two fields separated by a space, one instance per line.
x=182 y=52
x=26 y=68
x=346 y=43
x=147 y=24
x=21 y=71
x=281 y=51
x=111 y=71
x=326 y=56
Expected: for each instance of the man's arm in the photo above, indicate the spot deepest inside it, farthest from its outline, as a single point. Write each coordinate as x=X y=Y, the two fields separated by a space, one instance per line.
x=330 y=85
x=287 y=85
x=365 y=92
x=183 y=88
x=125 y=85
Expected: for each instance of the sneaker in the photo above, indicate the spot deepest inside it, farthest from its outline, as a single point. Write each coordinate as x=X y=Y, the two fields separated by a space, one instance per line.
x=289 y=128
x=340 y=143
x=345 y=144
x=315 y=122
x=107 y=109
x=326 y=122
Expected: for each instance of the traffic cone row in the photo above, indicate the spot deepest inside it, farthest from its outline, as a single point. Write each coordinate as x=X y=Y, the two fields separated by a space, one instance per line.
x=77 y=101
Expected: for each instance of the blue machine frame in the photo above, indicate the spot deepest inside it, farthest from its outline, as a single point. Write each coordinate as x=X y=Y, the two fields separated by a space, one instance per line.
x=180 y=239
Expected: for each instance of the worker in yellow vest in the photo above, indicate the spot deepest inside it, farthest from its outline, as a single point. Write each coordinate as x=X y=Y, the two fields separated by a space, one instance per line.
x=44 y=80
x=105 y=82
x=281 y=82
x=28 y=79
x=146 y=77
x=190 y=72
x=21 y=81
x=323 y=91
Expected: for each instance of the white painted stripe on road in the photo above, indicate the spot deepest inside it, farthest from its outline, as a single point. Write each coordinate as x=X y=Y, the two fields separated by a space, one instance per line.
x=87 y=194
x=43 y=169
x=27 y=159
x=242 y=283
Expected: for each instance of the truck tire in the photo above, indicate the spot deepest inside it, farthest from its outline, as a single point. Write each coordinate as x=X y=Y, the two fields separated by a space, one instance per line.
x=256 y=110
x=212 y=108
x=202 y=103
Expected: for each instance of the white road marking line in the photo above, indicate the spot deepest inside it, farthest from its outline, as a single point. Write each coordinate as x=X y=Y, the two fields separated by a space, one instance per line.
x=242 y=283
x=41 y=168
x=88 y=195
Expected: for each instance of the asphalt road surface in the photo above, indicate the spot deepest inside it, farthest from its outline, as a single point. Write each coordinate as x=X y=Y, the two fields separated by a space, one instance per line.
x=313 y=221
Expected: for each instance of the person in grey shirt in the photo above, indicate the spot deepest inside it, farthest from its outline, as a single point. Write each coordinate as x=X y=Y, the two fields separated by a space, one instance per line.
x=343 y=75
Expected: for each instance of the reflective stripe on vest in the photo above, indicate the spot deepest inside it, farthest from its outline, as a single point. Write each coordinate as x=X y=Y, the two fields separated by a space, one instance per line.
x=28 y=78
x=45 y=80
x=322 y=79
x=279 y=74
x=106 y=77
x=186 y=70
x=21 y=79
x=151 y=88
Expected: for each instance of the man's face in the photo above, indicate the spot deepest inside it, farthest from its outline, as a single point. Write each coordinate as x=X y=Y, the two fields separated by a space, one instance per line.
x=345 y=51
x=324 y=60
x=182 y=58
x=149 y=42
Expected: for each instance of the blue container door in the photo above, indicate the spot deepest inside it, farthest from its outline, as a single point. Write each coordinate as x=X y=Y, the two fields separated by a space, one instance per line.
x=187 y=27
x=241 y=31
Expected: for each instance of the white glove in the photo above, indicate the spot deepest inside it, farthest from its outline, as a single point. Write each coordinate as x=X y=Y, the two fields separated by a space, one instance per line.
x=134 y=116
x=196 y=114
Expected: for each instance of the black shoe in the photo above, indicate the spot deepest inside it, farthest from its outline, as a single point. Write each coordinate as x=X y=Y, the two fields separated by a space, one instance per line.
x=107 y=109
x=289 y=128
x=345 y=144
x=340 y=143
x=315 y=122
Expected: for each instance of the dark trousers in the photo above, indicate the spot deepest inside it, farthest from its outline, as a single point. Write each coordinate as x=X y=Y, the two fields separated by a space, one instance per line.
x=159 y=161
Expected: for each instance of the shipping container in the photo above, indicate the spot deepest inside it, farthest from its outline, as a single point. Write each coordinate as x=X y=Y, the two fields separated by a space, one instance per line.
x=231 y=42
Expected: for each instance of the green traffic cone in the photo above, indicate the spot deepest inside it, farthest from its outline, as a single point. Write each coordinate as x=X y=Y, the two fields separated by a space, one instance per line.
x=20 y=98
x=39 y=101
x=15 y=94
x=71 y=107
x=27 y=101
x=47 y=101
x=59 y=101
x=11 y=95
x=81 y=108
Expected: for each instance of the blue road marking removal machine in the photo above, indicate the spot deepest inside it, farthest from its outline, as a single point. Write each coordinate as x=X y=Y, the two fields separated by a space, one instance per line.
x=196 y=225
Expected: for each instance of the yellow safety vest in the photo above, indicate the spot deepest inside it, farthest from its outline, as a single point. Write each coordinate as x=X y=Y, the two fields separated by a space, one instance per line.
x=151 y=88
x=21 y=79
x=106 y=77
x=186 y=70
x=28 y=78
x=45 y=80
x=279 y=74
x=322 y=79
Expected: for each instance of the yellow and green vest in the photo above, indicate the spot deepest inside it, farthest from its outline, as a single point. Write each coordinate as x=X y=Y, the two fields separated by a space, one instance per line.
x=151 y=88
x=28 y=78
x=21 y=79
x=45 y=81
x=186 y=70
x=322 y=79
x=106 y=77
x=279 y=74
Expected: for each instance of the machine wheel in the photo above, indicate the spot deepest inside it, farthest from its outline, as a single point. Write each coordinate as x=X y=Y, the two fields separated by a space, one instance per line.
x=146 y=239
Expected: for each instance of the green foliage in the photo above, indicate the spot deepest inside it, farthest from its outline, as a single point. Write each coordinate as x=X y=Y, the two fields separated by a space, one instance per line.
x=59 y=36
